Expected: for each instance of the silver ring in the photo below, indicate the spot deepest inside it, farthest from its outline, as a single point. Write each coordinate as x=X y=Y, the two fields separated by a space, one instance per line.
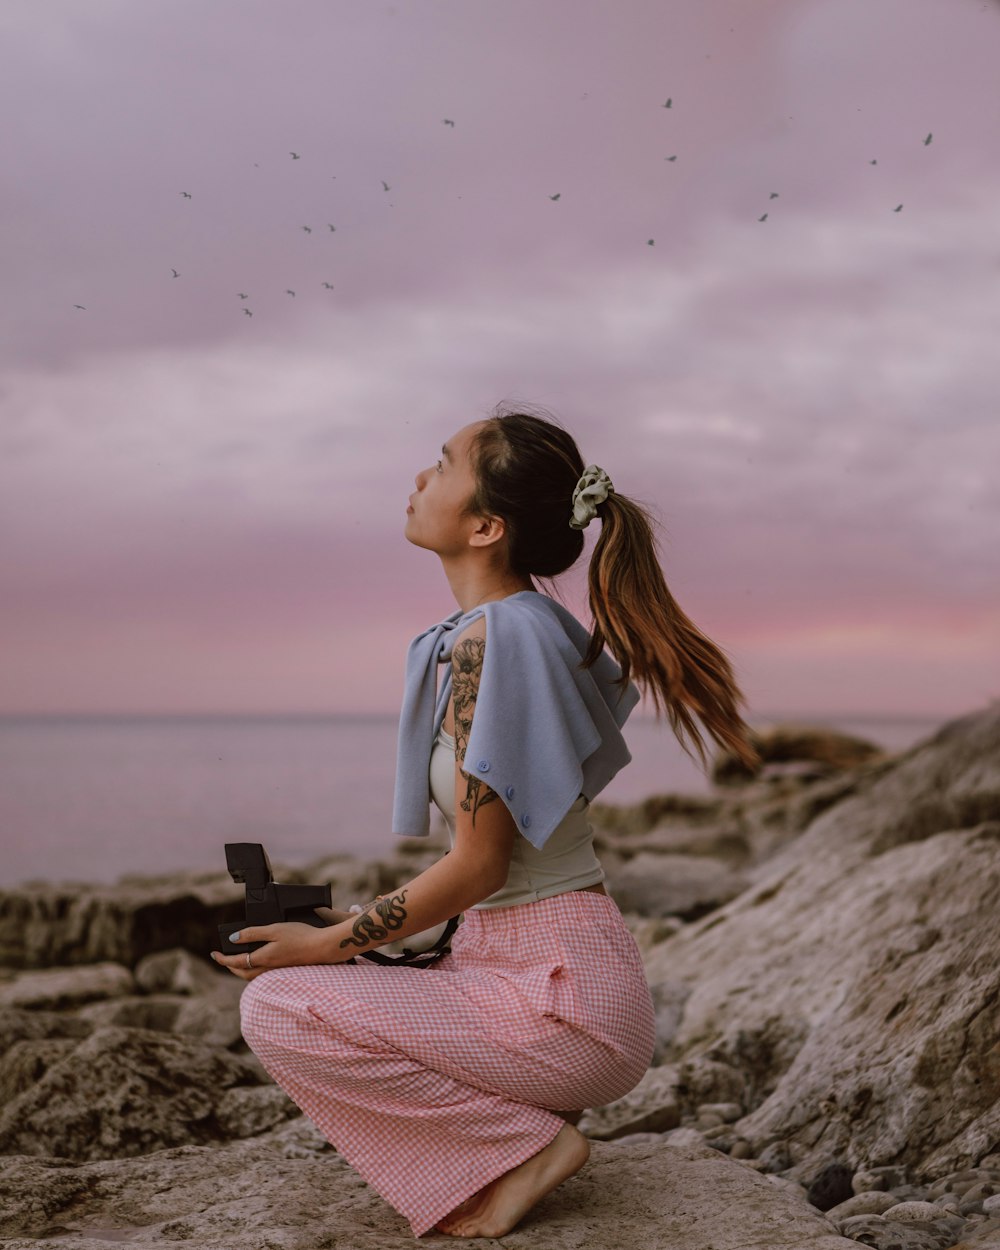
x=249 y=964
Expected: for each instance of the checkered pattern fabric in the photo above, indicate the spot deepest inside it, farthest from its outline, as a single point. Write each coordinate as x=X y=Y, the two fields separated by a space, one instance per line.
x=431 y=1082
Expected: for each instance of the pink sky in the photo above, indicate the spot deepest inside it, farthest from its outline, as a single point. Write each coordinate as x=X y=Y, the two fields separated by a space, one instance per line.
x=204 y=511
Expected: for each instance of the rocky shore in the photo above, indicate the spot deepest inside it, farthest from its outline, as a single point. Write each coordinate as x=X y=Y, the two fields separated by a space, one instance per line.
x=823 y=946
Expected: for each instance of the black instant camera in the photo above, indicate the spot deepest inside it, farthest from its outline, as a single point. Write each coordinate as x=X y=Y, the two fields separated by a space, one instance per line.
x=267 y=902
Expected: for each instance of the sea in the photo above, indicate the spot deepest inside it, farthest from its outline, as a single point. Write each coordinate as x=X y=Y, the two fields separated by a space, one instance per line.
x=91 y=799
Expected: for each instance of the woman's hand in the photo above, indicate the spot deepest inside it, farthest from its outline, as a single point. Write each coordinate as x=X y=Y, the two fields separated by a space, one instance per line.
x=289 y=944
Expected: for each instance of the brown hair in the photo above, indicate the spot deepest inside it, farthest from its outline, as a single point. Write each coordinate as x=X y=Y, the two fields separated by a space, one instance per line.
x=526 y=470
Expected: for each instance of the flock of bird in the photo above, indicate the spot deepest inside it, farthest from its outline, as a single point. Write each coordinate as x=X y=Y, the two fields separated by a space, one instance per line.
x=447 y=121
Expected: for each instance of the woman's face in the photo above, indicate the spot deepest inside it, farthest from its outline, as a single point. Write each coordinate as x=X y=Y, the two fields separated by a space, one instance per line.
x=433 y=519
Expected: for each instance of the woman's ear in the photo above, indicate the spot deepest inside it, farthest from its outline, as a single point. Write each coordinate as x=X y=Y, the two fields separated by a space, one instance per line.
x=488 y=530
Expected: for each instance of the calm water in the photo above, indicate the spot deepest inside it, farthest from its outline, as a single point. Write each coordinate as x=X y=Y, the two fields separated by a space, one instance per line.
x=90 y=799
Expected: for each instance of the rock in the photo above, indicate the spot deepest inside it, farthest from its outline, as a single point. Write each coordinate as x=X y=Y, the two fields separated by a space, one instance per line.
x=177 y=971
x=726 y=1111
x=44 y=925
x=272 y=1193
x=123 y=1092
x=669 y=998
x=684 y=1137
x=704 y=1079
x=830 y=1186
x=212 y=1018
x=246 y=1110
x=963 y=1181
x=18 y=1024
x=776 y=1158
x=740 y=830
x=781 y=744
x=909 y=1211
x=871 y=1202
x=56 y=988
x=25 y=1062
x=983 y=1237
x=876 y=1178
x=832 y=984
x=792 y=1188
x=725 y=841
x=153 y=1011
x=649 y=932
x=883 y=1233
x=658 y=810
x=651 y=1107
x=687 y=886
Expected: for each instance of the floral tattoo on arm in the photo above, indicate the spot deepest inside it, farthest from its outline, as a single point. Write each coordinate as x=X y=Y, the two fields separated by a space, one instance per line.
x=466 y=670
x=379 y=918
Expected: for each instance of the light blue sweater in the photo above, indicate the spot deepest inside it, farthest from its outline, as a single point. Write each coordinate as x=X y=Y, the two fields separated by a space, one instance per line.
x=543 y=730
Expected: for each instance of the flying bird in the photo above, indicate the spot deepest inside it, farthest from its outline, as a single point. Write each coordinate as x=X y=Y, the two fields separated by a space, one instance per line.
x=773 y=195
x=331 y=227
x=873 y=162
x=175 y=273
x=308 y=229
x=328 y=285
x=385 y=185
x=928 y=139
x=669 y=103
x=248 y=312
x=670 y=158
x=649 y=242
x=242 y=295
x=289 y=292
x=186 y=194
x=764 y=218
x=80 y=306
x=448 y=121
x=897 y=208
x=295 y=156
x=556 y=196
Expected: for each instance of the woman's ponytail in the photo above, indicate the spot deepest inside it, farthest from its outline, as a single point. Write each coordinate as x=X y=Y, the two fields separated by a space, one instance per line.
x=655 y=642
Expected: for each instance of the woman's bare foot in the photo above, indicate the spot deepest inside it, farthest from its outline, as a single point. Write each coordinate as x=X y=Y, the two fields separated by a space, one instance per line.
x=501 y=1204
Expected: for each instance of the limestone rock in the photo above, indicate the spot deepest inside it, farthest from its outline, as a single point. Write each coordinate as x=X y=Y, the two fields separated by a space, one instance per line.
x=673 y=885
x=669 y=998
x=56 y=988
x=176 y=971
x=269 y=1193
x=871 y=1202
x=883 y=1233
x=740 y=829
x=856 y=984
x=44 y=925
x=212 y=1018
x=122 y=1092
x=18 y=1024
x=826 y=749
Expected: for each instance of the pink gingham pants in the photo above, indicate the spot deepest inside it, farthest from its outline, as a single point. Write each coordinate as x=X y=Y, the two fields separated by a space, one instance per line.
x=431 y=1082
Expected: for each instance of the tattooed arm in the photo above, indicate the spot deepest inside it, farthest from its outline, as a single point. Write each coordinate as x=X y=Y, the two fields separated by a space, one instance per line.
x=476 y=867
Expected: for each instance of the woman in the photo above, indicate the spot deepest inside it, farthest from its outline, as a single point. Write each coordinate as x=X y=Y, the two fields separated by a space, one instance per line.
x=454 y=1089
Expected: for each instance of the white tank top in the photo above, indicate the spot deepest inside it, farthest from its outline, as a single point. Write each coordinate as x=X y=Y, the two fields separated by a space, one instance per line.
x=566 y=861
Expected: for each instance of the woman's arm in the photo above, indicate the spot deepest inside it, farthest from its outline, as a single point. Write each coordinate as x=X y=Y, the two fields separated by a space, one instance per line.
x=475 y=868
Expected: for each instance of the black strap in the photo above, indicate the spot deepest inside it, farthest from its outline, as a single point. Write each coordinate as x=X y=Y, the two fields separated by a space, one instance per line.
x=415 y=959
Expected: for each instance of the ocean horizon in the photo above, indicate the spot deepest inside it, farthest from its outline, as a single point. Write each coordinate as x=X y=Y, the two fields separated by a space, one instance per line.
x=88 y=797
